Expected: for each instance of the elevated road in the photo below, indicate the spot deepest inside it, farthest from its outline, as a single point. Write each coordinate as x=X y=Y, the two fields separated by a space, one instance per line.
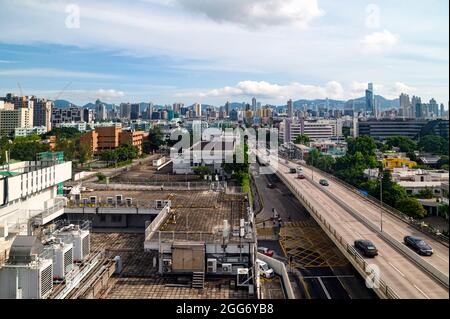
x=392 y=225
x=404 y=277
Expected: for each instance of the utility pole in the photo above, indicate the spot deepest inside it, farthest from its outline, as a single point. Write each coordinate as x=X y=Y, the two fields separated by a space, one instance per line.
x=381 y=200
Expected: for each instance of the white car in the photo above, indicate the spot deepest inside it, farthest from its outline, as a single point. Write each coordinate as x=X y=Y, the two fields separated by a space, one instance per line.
x=264 y=269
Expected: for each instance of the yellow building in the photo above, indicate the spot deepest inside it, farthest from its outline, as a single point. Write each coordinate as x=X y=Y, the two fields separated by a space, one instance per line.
x=397 y=162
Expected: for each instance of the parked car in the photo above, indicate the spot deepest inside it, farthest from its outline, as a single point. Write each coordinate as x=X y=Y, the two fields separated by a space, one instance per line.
x=366 y=247
x=270 y=185
x=324 y=182
x=299 y=169
x=292 y=171
x=301 y=176
x=419 y=245
x=264 y=269
x=266 y=251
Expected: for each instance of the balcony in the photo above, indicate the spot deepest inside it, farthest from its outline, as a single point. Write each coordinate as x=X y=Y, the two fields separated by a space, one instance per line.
x=42 y=217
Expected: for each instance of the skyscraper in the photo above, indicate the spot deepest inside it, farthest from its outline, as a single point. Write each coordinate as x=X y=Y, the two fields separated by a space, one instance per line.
x=254 y=105
x=135 y=111
x=42 y=113
x=197 y=110
x=125 y=110
x=370 y=100
x=405 y=105
x=416 y=106
x=100 y=111
x=290 y=109
x=227 y=108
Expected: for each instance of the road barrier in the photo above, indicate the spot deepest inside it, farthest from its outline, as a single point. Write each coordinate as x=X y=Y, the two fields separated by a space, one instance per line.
x=380 y=287
x=280 y=269
x=430 y=269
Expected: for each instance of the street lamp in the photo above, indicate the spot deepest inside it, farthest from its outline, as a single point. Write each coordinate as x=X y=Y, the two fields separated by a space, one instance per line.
x=381 y=199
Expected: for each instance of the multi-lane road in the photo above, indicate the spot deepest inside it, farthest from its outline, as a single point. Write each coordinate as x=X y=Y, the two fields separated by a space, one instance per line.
x=405 y=277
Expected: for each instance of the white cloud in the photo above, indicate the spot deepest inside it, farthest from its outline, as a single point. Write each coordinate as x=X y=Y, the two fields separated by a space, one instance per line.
x=53 y=73
x=270 y=91
x=256 y=13
x=379 y=42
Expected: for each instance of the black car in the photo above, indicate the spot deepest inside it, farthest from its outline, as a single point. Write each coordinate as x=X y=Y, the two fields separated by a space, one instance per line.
x=419 y=245
x=366 y=247
x=270 y=186
x=292 y=171
x=324 y=182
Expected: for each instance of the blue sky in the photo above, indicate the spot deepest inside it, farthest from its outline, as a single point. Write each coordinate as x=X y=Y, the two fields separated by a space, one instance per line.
x=206 y=51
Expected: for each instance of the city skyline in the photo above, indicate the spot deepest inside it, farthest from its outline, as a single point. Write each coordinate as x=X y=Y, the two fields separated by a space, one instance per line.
x=314 y=50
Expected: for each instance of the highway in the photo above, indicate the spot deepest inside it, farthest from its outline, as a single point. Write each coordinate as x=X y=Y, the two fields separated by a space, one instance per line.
x=391 y=224
x=403 y=276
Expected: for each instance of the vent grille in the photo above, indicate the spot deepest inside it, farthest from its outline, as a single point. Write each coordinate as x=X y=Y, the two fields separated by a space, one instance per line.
x=68 y=261
x=86 y=246
x=46 y=281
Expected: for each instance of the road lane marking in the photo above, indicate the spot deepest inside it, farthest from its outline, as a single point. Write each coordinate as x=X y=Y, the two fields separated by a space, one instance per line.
x=426 y=296
x=324 y=288
x=397 y=270
x=439 y=256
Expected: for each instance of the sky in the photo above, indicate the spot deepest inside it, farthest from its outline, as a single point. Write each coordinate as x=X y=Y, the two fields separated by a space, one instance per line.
x=168 y=51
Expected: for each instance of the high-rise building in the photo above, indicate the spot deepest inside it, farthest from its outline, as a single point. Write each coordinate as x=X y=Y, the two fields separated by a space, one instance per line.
x=100 y=111
x=370 y=100
x=405 y=106
x=125 y=110
x=197 y=110
x=442 y=113
x=290 y=109
x=254 y=105
x=227 y=108
x=42 y=113
x=12 y=118
x=433 y=109
x=135 y=111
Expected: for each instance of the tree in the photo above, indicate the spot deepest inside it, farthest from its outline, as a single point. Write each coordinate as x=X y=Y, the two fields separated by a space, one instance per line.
x=202 y=170
x=405 y=144
x=426 y=193
x=26 y=148
x=63 y=133
x=302 y=139
x=411 y=207
x=434 y=144
x=84 y=153
x=155 y=140
x=363 y=144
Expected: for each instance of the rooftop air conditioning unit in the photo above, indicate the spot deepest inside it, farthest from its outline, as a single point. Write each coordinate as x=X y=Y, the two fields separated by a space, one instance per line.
x=109 y=200
x=81 y=243
x=159 y=204
x=29 y=281
x=77 y=198
x=227 y=268
x=119 y=199
x=85 y=201
x=62 y=260
x=211 y=265
x=93 y=200
x=168 y=202
x=129 y=201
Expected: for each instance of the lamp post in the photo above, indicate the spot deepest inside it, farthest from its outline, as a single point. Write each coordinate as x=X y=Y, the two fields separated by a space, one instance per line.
x=381 y=199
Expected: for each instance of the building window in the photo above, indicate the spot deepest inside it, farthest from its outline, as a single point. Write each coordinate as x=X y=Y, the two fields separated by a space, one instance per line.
x=102 y=218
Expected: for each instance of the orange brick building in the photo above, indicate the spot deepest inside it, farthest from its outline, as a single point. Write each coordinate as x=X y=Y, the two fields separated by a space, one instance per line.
x=110 y=138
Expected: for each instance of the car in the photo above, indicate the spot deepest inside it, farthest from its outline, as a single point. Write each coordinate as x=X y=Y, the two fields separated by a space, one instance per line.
x=366 y=247
x=292 y=171
x=419 y=245
x=270 y=186
x=299 y=169
x=264 y=269
x=324 y=182
x=266 y=251
x=301 y=176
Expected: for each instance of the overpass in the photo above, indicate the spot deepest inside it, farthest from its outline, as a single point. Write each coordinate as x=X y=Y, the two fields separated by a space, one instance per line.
x=346 y=217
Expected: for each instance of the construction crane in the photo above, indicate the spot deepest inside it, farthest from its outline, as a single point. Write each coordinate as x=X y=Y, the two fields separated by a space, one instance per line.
x=62 y=91
x=21 y=97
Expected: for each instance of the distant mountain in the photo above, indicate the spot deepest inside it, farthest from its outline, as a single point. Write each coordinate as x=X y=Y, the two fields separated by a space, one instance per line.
x=62 y=104
x=380 y=101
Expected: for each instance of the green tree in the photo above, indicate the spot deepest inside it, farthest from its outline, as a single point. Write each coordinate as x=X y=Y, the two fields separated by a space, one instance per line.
x=63 y=133
x=434 y=144
x=302 y=139
x=155 y=140
x=364 y=145
x=202 y=170
x=405 y=144
x=411 y=207
x=426 y=193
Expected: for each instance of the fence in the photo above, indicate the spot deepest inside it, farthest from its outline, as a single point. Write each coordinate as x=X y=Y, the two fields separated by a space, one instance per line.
x=380 y=287
x=390 y=210
x=280 y=268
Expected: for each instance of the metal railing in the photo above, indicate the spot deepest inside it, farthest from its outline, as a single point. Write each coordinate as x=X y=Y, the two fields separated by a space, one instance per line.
x=381 y=288
x=429 y=230
x=59 y=204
